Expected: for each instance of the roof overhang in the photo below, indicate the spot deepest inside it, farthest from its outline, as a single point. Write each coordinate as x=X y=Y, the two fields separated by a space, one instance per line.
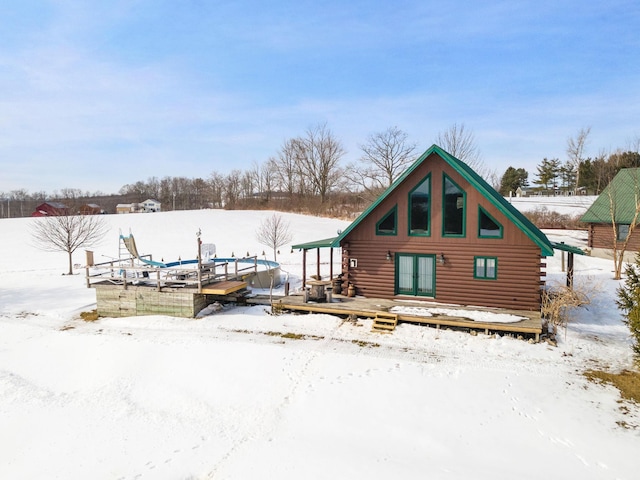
x=567 y=248
x=325 y=243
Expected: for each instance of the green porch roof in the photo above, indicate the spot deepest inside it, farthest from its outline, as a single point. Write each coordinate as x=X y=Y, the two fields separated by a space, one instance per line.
x=567 y=248
x=475 y=180
x=621 y=193
x=326 y=243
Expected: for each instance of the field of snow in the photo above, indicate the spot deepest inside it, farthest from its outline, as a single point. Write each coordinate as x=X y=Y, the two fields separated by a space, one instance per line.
x=242 y=394
x=566 y=205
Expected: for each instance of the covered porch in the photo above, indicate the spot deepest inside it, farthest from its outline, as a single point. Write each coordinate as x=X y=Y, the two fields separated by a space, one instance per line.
x=313 y=281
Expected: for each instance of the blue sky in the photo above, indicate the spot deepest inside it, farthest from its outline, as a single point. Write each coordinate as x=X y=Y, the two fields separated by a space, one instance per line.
x=98 y=94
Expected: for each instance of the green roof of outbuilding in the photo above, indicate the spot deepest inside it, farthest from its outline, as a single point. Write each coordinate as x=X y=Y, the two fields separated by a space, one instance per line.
x=475 y=180
x=623 y=190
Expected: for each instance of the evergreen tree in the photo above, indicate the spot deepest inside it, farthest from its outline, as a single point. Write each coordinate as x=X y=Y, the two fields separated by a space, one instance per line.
x=629 y=302
x=512 y=179
x=567 y=173
x=547 y=173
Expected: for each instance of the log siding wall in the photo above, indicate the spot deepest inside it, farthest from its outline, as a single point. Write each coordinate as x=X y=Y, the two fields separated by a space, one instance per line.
x=518 y=283
x=601 y=236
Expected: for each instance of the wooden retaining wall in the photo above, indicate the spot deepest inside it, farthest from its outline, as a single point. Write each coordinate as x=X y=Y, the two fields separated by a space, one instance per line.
x=134 y=301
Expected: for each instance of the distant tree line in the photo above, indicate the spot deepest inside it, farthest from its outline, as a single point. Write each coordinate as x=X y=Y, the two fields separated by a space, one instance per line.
x=305 y=175
x=577 y=174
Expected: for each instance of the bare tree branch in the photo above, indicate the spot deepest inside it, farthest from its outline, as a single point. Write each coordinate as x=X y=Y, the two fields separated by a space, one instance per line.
x=575 y=151
x=385 y=156
x=318 y=156
x=274 y=232
x=461 y=143
x=67 y=233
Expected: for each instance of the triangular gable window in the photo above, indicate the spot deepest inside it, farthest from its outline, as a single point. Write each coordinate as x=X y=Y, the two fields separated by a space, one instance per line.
x=388 y=225
x=488 y=227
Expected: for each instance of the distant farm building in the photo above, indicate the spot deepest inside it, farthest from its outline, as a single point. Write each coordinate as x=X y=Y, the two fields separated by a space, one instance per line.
x=91 y=209
x=151 y=205
x=50 y=208
x=148 y=206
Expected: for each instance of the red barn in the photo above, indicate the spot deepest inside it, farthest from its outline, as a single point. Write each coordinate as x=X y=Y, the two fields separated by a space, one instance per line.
x=50 y=208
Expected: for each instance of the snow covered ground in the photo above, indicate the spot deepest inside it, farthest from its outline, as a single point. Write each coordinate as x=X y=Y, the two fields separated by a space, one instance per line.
x=241 y=394
x=566 y=205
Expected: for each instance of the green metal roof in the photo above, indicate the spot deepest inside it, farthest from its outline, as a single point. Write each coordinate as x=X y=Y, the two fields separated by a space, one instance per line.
x=622 y=194
x=522 y=222
x=567 y=248
x=326 y=243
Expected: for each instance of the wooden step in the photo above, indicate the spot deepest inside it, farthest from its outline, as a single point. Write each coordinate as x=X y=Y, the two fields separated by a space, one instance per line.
x=384 y=322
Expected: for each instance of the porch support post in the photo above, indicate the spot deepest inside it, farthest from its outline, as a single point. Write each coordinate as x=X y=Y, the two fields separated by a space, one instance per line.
x=570 y=270
x=330 y=263
x=318 y=263
x=304 y=268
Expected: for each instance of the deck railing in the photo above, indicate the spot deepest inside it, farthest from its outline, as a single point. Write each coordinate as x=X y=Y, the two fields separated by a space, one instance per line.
x=187 y=274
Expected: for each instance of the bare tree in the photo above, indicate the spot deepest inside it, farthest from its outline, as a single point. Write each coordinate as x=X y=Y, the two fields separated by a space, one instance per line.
x=274 y=232
x=67 y=233
x=385 y=156
x=461 y=143
x=575 y=151
x=287 y=171
x=318 y=155
x=232 y=189
x=217 y=185
x=619 y=238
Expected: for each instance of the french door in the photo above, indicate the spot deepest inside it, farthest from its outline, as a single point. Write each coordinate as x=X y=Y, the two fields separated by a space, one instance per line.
x=415 y=274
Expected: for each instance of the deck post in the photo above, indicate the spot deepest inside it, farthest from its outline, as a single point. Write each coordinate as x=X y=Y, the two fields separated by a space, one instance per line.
x=330 y=263
x=570 y=270
x=318 y=262
x=304 y=268
x=199 y=263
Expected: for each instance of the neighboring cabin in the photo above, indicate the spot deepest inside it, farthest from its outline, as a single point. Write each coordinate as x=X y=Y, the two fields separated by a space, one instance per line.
x=612 y=213
x=442 y=233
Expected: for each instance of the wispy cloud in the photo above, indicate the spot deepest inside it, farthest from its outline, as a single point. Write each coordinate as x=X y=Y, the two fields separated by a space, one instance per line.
x=98 y=95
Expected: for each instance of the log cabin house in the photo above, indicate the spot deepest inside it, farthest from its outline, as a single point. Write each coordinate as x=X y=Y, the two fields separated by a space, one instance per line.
x=612 y=215
x=441 y=233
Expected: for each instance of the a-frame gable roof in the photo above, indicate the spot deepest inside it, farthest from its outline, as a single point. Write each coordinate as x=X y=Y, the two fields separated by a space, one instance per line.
x=621 y=195
x=476 y=181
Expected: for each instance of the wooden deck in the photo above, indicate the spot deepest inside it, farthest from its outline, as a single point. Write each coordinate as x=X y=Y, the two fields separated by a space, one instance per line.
x=224 y=288
x=369 y=307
